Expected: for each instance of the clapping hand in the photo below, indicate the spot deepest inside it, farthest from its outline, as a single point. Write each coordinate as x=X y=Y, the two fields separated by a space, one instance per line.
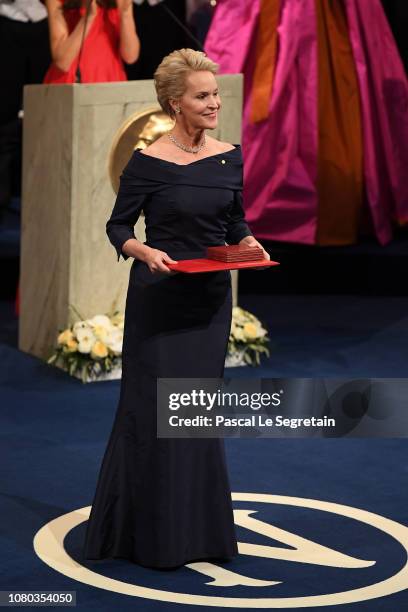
x=124 y=6
x=92 y=7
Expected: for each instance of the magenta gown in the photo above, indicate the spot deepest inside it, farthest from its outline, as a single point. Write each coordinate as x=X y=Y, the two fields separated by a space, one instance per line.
x=282 y=152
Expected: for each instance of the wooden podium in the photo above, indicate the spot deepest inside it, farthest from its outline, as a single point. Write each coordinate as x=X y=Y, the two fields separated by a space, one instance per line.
x=69 y=137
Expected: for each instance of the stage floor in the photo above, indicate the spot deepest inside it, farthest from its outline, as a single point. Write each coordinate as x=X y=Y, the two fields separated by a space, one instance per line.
x=53 y=435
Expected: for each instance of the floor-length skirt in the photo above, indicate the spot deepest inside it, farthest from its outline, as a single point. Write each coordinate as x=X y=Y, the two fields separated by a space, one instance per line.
x=163 y=502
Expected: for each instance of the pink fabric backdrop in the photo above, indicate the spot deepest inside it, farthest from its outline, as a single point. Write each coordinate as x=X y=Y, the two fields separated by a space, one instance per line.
x=281 y=152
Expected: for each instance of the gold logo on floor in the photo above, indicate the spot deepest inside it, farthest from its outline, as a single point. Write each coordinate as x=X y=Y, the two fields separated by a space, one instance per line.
x=49 y=546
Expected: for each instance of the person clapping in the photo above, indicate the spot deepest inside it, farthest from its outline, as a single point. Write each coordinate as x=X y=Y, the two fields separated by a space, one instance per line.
x=90 y=40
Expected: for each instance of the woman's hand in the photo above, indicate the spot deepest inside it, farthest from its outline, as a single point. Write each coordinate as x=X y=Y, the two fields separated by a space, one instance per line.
x=156 y=260
x=93 y=8
x=124 y=6
x=252 y=242
x=129 y=40
x=64 y=44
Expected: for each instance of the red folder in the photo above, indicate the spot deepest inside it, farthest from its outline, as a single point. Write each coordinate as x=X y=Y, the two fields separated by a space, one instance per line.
x=193 y=266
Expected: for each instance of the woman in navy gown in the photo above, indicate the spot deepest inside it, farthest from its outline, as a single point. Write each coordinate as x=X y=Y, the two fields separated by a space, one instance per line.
x=163 y=502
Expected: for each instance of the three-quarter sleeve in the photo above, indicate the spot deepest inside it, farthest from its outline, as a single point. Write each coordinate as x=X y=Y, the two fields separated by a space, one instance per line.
x=126 y=211
x=237 y=226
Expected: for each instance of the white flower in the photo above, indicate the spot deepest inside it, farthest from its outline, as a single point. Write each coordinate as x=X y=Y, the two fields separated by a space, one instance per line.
x=100 y=320
x=85 y=334
x=115 y=341
x=101 y=332
x=86 y=344
x=118 y=320
x=101 y=325
x=261 y=331
x=239 y=333
x=116 y=348
x=237 y=311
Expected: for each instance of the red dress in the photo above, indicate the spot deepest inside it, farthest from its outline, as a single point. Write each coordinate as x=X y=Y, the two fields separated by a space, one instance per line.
x=100 y=61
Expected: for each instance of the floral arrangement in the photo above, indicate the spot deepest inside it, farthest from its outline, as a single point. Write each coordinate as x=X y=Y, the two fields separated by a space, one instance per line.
x=90 y=347
x=247 y=340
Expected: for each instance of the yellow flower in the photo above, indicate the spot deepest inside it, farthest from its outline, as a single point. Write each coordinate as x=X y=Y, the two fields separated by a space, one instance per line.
x=65 y=336
x=99 y=350
x=250 y=331
x=71 y=346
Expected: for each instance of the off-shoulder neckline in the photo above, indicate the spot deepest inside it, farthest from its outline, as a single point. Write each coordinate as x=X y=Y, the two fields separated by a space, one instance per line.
x=236 y=147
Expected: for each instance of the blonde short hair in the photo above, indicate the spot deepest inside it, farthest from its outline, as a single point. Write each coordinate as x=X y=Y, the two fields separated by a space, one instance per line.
x=170 y=76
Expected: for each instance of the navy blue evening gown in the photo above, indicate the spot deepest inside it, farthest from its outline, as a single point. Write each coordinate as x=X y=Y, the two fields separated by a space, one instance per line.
x=164 y=502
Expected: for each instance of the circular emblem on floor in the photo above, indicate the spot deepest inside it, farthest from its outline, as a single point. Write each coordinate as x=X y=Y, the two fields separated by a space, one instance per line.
x=49 y=546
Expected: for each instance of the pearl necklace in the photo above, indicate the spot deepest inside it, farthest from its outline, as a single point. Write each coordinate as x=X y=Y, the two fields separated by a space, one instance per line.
x=194 y=150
